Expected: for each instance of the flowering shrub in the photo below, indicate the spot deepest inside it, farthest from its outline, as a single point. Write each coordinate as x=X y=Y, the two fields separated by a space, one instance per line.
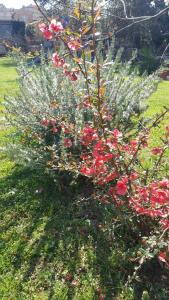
x=114 y=166
x=76 y=115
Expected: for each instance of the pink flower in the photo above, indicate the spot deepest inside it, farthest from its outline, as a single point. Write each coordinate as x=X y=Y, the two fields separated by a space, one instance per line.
x=67 y=143
x=54 y=130
x=74 y=282
x=87 y=171
x=74 y=45
x=167 y=128
x=45 y=30
x=163 y=257
x=56 y=26
x=156 y=151
x=89 y=135
x=75 y=70
x=73 y=76
x=48 y=35
x=165 y=223
x=45 y=122
x=52 y=122
x=121 y=188
x=117 y=134
x=164 y=183
x=133 y=176
x=57 y=60
x=43 y=27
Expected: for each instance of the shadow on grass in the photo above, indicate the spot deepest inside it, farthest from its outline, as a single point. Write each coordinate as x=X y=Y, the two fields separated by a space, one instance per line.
x=54 y=236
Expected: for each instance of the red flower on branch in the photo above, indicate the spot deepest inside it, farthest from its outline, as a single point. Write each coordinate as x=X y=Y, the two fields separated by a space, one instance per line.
x=67 y=143
x=156 y=151
x=121 y=187
x=56 y=26
x=45 y=30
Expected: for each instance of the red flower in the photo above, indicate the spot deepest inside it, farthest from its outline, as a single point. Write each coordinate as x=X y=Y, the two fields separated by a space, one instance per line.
x=164 y=183
x=54 y=130
x=163 y=257
x=52 y=122
x=67 y=143
x=56 y=26
x=121 y=187
x=156 y=151
x=89 y=135
x=87 y=171
x=57 y=61
x=117 y=134
x=48 y=35
x=43 y=27
x=45 y=122
x=74 y=45
x=45 y=30
x=73 y=76
x=133 y=176
x=165 y=223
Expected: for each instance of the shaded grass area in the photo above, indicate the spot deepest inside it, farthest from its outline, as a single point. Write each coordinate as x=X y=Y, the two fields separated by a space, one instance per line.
x=56 y=246
x=56 y=243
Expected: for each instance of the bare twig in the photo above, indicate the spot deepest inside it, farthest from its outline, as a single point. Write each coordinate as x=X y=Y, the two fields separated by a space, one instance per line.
x=159 y=14
x=124 y=7
x=41 y=11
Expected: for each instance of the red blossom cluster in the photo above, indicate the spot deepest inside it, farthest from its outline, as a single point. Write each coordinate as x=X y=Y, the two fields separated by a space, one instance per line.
x=48 y=31
x=152 y=200
x=73 y=44
x=108 y=162
x=60 y=63
x=156 y=151
x=55 y=28
x=52 y=123
x=56 y=127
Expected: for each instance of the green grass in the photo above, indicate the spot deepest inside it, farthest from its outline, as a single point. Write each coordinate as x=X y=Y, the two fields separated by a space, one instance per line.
x=7 y=78
x=50 y=237
x=156 y=103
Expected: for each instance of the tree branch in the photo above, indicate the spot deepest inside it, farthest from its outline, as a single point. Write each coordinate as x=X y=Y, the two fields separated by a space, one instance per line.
x=124 y=7
x=41 y=11
x=146 y=18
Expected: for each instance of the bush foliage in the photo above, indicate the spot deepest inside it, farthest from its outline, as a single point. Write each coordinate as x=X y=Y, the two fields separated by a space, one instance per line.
x=80 y=114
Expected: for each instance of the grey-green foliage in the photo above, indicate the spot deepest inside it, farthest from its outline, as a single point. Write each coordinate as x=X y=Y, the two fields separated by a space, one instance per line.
x=126 y=92
x=42 y=85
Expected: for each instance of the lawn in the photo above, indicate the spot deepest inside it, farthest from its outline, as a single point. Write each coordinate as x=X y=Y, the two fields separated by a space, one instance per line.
x=53 y=245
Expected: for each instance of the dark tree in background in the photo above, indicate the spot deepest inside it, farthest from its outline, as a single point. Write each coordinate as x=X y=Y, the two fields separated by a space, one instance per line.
x=151 y=32
x=128 y=21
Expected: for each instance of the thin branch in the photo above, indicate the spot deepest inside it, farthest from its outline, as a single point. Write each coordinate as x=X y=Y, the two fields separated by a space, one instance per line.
x=129 y=19
x=41 y=11
x=164 y=52
x=159 y=14
x=124 y=7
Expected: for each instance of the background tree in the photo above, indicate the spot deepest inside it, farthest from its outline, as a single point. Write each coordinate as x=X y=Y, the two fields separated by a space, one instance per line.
x=136 y=24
